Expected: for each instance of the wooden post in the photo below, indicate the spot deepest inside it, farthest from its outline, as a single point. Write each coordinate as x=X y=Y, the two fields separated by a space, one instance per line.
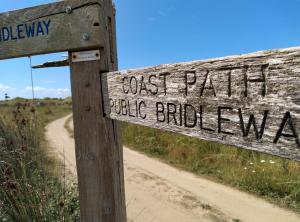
x=98 y=145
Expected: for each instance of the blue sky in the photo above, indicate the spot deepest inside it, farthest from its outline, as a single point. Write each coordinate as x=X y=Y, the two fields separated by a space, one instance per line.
x=152 y=32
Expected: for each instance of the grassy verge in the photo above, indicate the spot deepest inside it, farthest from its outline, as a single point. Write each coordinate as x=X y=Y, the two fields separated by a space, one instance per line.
x=273 y=178
x=30 y=190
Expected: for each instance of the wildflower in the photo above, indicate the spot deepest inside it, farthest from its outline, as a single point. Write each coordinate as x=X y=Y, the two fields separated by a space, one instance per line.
x=251 y=163
x=262 y=161
x=271 y=162
x=245 y=168
x=253 y=171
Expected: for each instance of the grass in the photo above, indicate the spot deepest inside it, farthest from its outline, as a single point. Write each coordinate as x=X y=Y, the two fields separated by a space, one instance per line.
x=273 y=178
x=30 y=188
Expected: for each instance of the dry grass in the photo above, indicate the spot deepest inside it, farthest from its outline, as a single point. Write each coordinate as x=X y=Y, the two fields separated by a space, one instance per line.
x=273 y=178
x=31 y=182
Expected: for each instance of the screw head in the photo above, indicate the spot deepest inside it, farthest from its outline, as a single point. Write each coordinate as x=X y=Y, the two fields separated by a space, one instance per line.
x=86 y=36
x=88 y=108
x=68 y=9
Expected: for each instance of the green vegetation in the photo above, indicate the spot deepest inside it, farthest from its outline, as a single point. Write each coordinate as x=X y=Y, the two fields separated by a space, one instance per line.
x=273 y=178
x=32 y=186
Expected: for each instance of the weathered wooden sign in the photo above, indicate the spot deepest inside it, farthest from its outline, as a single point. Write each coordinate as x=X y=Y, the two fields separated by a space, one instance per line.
x=86 y=29
x=250 y=101
x=61 y=26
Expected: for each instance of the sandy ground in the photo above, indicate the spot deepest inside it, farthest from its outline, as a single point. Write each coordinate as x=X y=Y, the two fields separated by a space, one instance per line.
x=156 y=192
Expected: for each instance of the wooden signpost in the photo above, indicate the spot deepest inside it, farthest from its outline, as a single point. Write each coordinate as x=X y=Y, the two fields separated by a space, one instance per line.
x=250 y=101
x=85 y=28
x=62 y=26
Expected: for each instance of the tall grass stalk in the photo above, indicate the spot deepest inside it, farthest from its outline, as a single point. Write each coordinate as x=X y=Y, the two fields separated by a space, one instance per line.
x=28 y=190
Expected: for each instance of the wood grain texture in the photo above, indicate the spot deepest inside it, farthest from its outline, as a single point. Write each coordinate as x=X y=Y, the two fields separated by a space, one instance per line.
x=49 y=28
x=97 y=139
x=250 y=101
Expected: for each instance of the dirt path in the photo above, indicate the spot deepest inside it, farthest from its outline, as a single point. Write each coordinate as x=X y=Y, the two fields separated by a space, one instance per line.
x=156 y=192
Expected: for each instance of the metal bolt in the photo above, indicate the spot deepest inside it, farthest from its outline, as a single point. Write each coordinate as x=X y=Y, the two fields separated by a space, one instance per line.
x=107 y=207
x=107 y=210
x=87 y=108
x=87 y=84
x=86 y=36
x=68 y=9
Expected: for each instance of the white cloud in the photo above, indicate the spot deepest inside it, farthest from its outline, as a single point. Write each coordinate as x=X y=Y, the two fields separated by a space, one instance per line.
x=4 y=88
x=50 y=91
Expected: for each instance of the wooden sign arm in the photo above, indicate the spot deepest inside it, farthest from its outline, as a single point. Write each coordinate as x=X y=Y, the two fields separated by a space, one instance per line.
x=249 y=101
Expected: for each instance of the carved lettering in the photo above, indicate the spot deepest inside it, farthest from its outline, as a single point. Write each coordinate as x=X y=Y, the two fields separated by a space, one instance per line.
x=190 y=79
x=208 y=85
x=164 y=77
x=221 y=119
x=160 y=112
x=287 y=122
x=251 y=102
x=261 y=80
x=201 y=114
x=190 y=122
x=252 y=121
